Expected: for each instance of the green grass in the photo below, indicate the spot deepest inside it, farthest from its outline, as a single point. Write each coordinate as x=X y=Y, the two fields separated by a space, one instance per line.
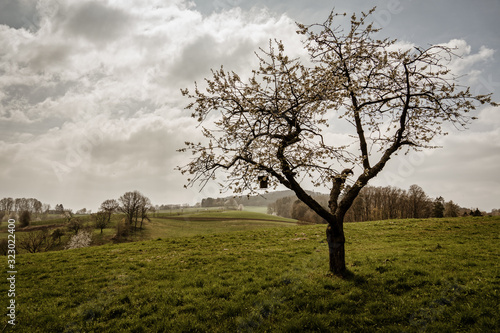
x=256 y=209
x=405 y=276
x=209 y=222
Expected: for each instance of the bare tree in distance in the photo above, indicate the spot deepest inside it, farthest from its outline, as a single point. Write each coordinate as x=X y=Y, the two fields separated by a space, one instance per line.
x=144 y=208
x=6 y=205
x=110 y=206
x=101 y=219
x=392 y=99
x=418 y=201
x=451 y=209
x=59 y=209
x=135 y=206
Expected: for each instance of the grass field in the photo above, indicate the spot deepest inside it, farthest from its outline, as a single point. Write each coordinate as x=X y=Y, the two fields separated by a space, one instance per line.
x=405 y=276
x=201 y=223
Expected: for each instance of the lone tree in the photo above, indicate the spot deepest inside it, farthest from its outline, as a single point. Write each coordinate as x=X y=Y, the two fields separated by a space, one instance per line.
x=389 y=98
x=24 y=219
x=101 y=219
x=144 y=207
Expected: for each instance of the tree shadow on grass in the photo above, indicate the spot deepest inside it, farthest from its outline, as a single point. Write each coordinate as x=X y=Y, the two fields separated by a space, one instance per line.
x=348 y=275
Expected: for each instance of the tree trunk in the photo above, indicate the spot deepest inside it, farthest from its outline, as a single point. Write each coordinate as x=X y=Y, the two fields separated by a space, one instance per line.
x=336 y=240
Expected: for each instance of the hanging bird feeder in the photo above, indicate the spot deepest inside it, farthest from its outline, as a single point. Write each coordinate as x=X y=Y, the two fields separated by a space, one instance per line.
x=263 y=181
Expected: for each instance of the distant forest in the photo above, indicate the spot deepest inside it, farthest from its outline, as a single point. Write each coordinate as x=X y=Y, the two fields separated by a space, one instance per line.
x=378 y=203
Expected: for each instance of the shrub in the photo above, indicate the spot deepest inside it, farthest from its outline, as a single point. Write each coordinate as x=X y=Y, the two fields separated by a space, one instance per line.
x=24 y=219
x=56 y=235
x=122 y=230
x=35 y=241
x=81 y=239
x=75 y=225
x=4 y=246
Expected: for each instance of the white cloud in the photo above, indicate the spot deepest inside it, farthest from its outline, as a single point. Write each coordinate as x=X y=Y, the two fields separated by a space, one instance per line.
x=466 y=60
x=489 y=117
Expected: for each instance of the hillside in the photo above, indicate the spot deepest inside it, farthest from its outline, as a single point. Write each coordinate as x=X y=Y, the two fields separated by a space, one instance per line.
x=406 y=275
x=202 y=223
x=189 y=222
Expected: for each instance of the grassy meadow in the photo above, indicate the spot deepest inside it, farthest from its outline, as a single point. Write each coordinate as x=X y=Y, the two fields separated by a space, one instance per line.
x=405 y=276
x=167 y=224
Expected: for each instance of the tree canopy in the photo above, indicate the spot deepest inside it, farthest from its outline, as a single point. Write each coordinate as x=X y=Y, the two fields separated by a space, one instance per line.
x=391 y=97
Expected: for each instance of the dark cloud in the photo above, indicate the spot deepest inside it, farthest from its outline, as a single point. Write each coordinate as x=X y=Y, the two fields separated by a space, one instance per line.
x=149 y=146
x=207 y=53
x=19 y=14
x=44 y=56
x=34 y=94
x=97 y=22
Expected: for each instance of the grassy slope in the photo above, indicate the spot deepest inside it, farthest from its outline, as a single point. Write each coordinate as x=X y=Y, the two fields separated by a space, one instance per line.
x=192 y=224
x=168 y=224
x=411 y=275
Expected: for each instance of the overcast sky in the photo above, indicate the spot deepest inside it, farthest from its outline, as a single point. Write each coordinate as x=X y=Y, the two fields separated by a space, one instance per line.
x=90 y=105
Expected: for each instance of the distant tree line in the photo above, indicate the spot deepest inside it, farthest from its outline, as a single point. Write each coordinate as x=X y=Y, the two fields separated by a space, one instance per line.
x=252 y=200
x=171 y=206
x=495 y=212
x=213 y=202
x=376 y=203
x=23 y=208
x=18 y=205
